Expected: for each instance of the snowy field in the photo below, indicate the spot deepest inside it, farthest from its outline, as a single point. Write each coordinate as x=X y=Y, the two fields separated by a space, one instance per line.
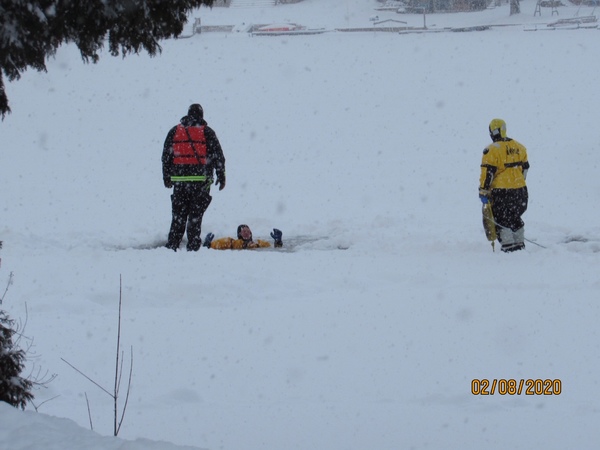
x=368 y=337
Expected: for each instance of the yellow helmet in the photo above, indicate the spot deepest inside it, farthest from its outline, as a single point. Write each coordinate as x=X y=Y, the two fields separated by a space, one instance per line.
x=497 y=129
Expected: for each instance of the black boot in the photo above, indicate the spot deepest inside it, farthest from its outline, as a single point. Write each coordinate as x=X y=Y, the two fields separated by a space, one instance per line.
x=513 y=247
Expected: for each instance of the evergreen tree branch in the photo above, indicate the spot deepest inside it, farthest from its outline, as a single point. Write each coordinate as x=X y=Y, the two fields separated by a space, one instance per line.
x=31 y=31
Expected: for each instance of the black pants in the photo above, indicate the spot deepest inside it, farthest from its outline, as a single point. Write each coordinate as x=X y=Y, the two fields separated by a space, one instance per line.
x=189 y=201
x=508 y=205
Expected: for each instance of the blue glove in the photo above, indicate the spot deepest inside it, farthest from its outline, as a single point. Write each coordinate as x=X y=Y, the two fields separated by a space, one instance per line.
x=277 y=235
x=208 y=239
x=483 y=199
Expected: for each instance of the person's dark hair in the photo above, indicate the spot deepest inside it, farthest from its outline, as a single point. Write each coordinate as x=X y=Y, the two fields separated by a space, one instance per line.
x=195 y=111
x=239 y=232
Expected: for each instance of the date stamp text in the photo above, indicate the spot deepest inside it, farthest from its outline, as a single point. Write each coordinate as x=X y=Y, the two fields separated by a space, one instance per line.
x=523 y=386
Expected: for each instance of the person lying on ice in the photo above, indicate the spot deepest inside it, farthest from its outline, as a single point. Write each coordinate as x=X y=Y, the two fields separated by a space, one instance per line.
x=243 y=241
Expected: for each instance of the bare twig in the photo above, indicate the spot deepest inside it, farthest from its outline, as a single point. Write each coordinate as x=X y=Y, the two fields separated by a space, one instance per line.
x=40 y=380
x=85 y=376
x=9 y=283
x=128 y=391
x=36 y=407
x=20 y=330
x=117 y=369
x=118 y=373
x=89 y=412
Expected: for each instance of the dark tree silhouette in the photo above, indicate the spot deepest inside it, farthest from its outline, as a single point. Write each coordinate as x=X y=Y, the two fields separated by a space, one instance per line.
x=14 y=389
x=32 y=30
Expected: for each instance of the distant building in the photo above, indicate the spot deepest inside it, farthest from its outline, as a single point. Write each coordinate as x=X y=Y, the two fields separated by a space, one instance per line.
x=430 y=6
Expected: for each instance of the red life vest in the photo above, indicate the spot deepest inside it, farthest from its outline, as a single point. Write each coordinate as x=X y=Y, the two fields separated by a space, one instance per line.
x=183 y=141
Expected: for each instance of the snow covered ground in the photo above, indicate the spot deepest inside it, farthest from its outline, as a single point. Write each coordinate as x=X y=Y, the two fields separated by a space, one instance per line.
x=368 y=338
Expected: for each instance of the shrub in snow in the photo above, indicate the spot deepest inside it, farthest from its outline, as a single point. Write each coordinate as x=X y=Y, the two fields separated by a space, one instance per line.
x=14 y=389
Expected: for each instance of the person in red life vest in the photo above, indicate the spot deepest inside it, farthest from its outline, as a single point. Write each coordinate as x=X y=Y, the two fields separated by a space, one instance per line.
x=191 y=156
x=243 y=241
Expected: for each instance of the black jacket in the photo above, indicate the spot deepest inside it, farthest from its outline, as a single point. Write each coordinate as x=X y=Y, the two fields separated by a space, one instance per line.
x=215 y=160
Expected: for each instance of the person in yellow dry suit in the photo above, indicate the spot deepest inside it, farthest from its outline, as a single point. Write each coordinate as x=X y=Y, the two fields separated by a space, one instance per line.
x=504 y=169
x=243 y=241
